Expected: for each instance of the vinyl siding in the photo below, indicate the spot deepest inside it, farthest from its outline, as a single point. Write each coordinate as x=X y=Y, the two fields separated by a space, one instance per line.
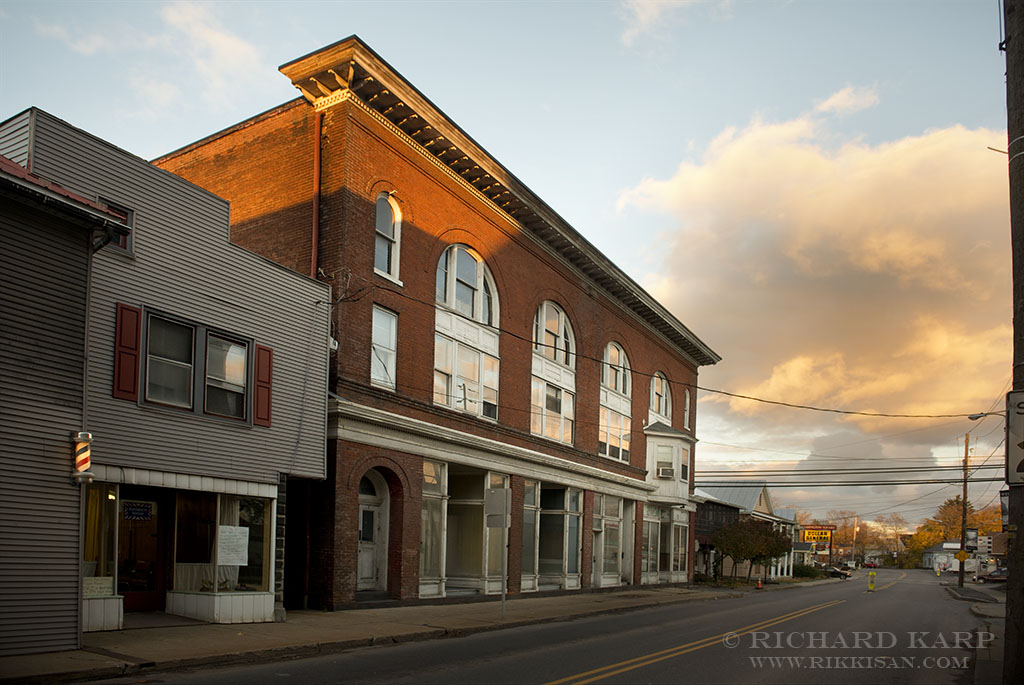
x=43 y=269
x=14 y=137
x=184 y=265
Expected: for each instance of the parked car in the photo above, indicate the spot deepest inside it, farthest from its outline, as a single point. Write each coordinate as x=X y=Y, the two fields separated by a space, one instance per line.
x=998 y=576
x=870 y=564
x=835 y=572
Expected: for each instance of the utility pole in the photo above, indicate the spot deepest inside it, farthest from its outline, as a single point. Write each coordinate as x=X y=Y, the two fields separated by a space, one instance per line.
x=1013 y=45
x=963 y=517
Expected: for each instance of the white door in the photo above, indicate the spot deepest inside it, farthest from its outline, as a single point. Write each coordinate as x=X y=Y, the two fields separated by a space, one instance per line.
x=369 y=538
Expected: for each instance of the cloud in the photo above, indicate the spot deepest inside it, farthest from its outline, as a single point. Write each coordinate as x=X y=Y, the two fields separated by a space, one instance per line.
x=643 y=17
x=839 y=274
x=219 y=56
x=84 y=44
x=849 y=100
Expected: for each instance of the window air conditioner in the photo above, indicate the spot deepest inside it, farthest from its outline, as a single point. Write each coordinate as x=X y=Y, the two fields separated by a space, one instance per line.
x=666 y=472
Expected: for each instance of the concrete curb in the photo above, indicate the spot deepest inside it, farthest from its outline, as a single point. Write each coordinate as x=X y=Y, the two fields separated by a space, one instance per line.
x=267 y=655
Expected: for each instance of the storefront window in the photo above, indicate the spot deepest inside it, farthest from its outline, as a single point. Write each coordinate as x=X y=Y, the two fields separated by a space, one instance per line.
x=243 y=544
x=195 y=531
x=679 y=553
x=431 y=520
x=100 y=537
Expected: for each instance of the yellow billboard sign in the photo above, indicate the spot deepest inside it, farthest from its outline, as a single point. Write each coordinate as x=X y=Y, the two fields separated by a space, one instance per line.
x=817 y=535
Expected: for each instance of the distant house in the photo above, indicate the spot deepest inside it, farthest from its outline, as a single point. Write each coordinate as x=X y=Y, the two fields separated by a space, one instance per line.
x=754 y=500
x=712 y=515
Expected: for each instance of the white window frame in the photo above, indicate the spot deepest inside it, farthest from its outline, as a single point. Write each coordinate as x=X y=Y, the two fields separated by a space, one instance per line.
x=543 y=419
x=393 y=242
x=484 y=307
x=615 y=374
x=616 y=427
x=661 y=402
x=224 y=384
x=563 y=348
x=460 y=392
x=615 y=419
x=384 y=353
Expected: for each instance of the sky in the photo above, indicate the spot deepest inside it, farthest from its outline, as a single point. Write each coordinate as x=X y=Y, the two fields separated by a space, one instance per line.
x=807 y=185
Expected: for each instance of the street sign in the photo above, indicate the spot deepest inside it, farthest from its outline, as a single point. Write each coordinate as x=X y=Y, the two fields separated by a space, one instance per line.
x=962 y=556
x=971 y=542
x=817 y=535
x=1015 y=437
x=816 y=526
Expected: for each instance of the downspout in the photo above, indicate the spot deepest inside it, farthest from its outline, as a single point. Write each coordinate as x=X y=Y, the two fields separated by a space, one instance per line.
x=315 y=247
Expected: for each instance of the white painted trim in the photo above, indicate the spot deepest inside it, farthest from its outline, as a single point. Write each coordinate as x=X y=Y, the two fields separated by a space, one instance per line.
x=182 y=481
x=369 y=426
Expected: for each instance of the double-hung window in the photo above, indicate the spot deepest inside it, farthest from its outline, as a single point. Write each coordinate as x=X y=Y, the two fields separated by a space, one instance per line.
x=465 y=378
x=614 y=428
x=227 y=366
x=387 y=236
x=170 y=362
x=384 y=350
x=553 y=385
x=661 y=400
x=466 y=340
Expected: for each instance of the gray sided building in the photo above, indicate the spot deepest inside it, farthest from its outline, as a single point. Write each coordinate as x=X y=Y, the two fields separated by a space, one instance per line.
x=205 y=372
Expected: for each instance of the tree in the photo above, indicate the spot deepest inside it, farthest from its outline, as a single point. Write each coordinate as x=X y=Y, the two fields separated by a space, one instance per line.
x=890 y=527
x=802 y=516
x=738 y=541
x=843 y=520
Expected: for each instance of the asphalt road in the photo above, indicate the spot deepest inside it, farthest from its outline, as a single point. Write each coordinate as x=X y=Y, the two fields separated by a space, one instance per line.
x=909 y=630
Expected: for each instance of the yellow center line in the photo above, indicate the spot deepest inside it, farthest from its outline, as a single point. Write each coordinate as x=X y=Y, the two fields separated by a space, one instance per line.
x=888 y=585
x=654 y=657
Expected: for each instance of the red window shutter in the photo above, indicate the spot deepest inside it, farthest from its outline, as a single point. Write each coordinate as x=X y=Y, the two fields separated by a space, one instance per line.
x=127 y=341
x=264 y=374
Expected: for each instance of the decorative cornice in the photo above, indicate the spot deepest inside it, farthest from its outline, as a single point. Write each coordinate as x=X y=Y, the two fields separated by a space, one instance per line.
x=351 y=67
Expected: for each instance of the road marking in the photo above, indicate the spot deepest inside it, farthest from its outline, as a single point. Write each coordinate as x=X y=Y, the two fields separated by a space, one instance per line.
x=888 y=585
x=679 y=650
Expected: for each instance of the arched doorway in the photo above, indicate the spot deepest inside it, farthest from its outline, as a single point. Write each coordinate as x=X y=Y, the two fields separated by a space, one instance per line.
x=374 y=517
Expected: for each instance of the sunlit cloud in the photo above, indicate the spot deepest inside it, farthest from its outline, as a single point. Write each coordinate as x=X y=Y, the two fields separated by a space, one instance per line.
x=849 y=100
x=839 y=274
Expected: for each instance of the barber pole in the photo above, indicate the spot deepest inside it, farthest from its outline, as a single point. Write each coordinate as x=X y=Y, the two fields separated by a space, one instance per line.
x=82 y=456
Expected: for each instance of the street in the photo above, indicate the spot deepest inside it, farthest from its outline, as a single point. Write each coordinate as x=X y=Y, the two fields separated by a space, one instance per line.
x=909 y=630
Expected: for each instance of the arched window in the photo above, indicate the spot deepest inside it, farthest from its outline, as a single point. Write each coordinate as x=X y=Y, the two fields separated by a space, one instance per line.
x=464 y=284
x=553 y=386
x=661 y=398
x=552 y=335
x=615 y=371
x=388 y=236
x=615 y=428
x=466 y=349
x=686 y=410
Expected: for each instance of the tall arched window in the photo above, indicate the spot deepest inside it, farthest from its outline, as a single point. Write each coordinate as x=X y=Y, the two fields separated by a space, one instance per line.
x=552 y=335
x=661 y=399
x=464 y=284
x=388 y=236
x=615 y=422
x=466 y=355
x=686 y=410
x=553 y=385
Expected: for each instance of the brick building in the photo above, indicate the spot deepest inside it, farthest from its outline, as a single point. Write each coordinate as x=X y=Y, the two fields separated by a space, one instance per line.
x=483 y=343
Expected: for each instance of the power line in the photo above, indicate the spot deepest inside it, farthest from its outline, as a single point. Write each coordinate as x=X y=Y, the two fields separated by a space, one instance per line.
x=792 y=405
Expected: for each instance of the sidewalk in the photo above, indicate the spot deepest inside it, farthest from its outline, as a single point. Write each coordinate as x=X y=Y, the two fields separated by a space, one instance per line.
x=989 y=604
x=312 y=633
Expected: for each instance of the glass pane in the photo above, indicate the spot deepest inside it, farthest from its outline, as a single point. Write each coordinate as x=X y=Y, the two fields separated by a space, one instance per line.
x=169 y=340
x=225 y=402
x=464 y=298
x=552 y=425
x=497 y=480
x=441 y=280
x=432 y=478
x=611 y=547
x=430 y=537
x=225 y=360
x=384 y=328
x=602 y=435
x=382 y=365
x=552 y=539
x=529 y=565
x=466 y=486
x=572 y=546
x=465 y=267
x=366 y=487
x=575 y=500
x=495 y=550
x=243 y=537
x=442 y=388
x=100 y=528
x=382 y=254
x=443 y=354
x=367 y=524
x=486 y=318
x=490 y=371
x=530 y=493
x=550 y=348
x=567 y=428
x=536 y=405
x=665 y=453
x=679 y=557
x=665 y=558
x=465 y=540
x=169 y=383
x=611 y=506
x=385 y=217
x=553 y=401
x=195 y=527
